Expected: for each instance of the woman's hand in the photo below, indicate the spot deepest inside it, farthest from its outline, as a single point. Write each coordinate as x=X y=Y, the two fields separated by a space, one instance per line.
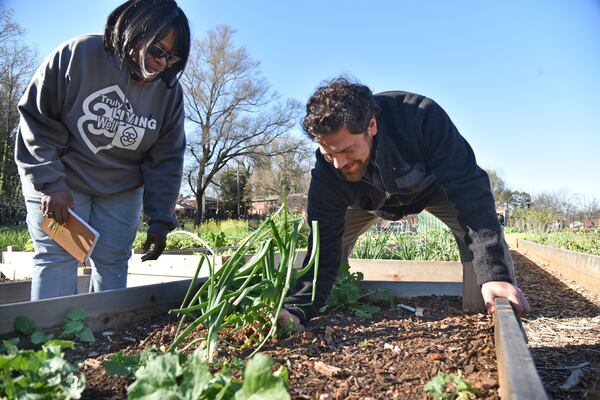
x=56 y=205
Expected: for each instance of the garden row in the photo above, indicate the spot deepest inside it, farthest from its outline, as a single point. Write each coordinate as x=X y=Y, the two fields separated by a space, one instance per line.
x=442 y=340
x=434 y=338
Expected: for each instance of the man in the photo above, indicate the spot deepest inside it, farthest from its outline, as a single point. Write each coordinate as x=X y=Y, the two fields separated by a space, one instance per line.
x=389 y=155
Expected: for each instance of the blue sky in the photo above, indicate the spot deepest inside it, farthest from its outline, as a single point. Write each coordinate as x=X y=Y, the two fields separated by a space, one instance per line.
x=520 y=79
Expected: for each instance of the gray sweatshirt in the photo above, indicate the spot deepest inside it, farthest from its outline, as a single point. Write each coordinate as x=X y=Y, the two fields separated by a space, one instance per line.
x=85 y=124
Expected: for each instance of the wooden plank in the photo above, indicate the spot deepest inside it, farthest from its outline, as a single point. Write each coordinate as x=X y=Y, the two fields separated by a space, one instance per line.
x=16 y=292
x=407 y=271
x=17 y=270
x=105 y=310
x=579 y=267
x=412 y=289
x=472 y=297
x=517 y=374
x=167 y=264
x=134 y=280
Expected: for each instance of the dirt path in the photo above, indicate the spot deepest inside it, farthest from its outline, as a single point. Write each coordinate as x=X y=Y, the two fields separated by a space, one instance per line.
x=563 y=330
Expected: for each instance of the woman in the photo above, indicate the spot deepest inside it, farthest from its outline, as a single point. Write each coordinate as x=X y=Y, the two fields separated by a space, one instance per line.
x=102 y=131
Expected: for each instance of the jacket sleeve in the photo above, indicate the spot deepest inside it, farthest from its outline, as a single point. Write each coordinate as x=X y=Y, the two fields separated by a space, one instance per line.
x=162 y=170
x=42 y=137
x=452 y=161
x=326 y=205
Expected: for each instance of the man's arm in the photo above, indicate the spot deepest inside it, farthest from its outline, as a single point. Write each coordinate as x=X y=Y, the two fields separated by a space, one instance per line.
x=327 y=205
x=451 y=159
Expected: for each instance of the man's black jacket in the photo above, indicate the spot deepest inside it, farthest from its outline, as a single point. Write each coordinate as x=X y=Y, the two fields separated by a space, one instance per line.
x=417 y=150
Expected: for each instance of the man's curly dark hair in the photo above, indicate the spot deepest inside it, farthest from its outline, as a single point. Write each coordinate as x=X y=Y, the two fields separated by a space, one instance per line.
x=336 y=104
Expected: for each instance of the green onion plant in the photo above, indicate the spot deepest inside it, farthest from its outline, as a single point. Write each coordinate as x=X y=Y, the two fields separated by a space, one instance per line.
x=247 y=292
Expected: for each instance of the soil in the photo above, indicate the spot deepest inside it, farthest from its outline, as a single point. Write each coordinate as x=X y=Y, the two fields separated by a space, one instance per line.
x=394 y=353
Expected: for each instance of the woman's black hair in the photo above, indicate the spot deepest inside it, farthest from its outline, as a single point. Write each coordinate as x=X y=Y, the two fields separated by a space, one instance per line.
x=137 y=24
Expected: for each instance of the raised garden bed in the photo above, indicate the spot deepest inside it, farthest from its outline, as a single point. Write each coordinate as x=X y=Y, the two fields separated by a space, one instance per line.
x=390 y=355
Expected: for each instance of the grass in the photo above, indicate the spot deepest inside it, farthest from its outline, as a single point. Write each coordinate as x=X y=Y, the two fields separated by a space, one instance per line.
x=16 y=235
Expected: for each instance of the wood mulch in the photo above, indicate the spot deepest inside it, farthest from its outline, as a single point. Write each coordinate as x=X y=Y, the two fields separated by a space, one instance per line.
x=563 y=329
x=394 y=353
x=388 y=356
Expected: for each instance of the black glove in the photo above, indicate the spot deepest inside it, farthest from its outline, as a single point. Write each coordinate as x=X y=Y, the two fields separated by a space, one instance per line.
x=158 y=243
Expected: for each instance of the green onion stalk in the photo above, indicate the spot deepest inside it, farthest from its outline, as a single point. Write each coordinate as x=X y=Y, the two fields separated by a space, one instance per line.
x=249 y=289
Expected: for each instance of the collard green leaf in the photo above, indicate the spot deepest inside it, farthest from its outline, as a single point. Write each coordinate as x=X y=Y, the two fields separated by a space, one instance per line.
x=77 y=314
x=196 y=376
x=43 y=374
x=24 y=325
x=86 y=335
x=259 y=381
x=157 y=379
x=364 y=310
x=122 y=365
x=72 y=327
x=59 y=344
x=39 y=337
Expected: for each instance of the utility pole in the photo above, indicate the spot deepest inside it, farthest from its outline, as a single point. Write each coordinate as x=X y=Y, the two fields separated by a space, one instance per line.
x=237 y=178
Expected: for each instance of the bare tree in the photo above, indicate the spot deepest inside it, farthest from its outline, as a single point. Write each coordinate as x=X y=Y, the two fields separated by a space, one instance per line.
x=589 y=207
x=288 y=170
x=560 y=202
x=17 y=63
x=502 y=195
x=234 y=110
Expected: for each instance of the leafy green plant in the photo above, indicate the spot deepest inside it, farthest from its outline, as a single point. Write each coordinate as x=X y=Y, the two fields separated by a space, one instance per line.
x=230 y=231
x=29 y=328
x=42 y=374
x=172 y=375
x=248 y=291
x=216 y=240
x=347 y=293
x=444 y=386
x=75 y=327
x=582 y=241
x=120 y=364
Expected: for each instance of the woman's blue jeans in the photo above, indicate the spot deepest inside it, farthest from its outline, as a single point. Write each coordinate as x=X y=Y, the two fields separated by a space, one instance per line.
x=116 y=218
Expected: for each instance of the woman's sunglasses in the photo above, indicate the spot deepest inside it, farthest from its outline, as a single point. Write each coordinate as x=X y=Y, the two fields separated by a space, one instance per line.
x=156 y=52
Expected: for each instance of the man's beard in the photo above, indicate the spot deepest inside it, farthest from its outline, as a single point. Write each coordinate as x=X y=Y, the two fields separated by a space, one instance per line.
x=357 y=173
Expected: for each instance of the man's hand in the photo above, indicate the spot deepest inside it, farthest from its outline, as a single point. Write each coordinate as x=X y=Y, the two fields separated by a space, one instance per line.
x=56 y=205
x=158 y=244
x=288 y=320
x=491 y=290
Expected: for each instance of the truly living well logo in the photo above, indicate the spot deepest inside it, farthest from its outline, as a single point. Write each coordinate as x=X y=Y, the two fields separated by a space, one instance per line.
x=109 y=121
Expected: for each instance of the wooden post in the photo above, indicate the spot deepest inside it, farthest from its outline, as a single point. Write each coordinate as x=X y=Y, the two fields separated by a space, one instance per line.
x=472 y=298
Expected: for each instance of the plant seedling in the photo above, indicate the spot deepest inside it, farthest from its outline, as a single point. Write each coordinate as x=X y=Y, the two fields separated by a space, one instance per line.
x=347 y=293
x=446 y=386
x=74 y=326
x=29 y=328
